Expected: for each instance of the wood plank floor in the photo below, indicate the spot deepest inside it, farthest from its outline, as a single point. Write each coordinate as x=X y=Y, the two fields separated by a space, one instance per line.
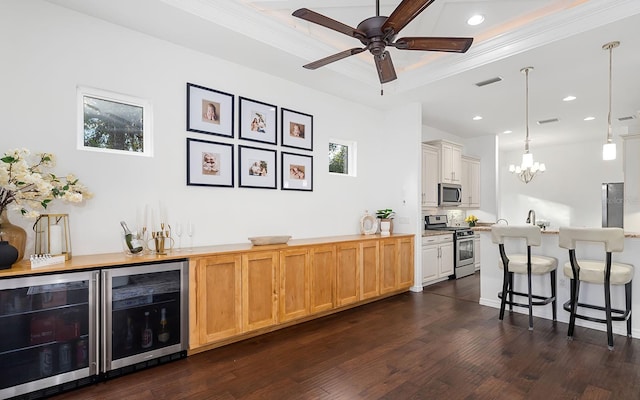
x=439 y=344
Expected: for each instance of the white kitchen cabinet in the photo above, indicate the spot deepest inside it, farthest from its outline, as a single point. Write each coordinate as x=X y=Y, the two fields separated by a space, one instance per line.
x=437 y=258
x=476 y=251
x=429 y=176
x=470 y=182
x=450 y=161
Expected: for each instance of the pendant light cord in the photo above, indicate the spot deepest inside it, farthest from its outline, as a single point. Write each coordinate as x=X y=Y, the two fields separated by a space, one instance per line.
x=526 y=111
x=609 y=133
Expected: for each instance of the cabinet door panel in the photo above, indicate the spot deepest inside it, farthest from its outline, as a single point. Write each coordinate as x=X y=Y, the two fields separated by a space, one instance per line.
x=405 y=263
x=323 y=278
x=219 y=297
x=430 y=263
x=446 y=259
x=348 y=273
x=259 y=290
x=388 y=265
x=370 y=269
x=294 y=284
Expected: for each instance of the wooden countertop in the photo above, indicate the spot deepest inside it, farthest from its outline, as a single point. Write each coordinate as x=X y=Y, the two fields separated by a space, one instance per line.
x=78 y=263
x=549 y=231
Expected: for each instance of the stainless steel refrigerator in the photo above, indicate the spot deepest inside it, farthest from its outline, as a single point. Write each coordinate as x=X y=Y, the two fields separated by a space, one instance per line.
x=613 y=205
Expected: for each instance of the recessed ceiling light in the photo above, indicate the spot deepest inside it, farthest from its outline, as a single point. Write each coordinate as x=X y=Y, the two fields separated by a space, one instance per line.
x=477 y=118
x=475 y=20
x=569 y=98
x=590 y=118
x=507 y=132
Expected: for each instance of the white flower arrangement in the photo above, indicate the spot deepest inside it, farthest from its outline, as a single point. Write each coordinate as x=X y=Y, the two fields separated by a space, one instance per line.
x=28 y=188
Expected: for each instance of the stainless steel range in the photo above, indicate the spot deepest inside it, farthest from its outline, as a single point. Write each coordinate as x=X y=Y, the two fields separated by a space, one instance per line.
x=462 y=243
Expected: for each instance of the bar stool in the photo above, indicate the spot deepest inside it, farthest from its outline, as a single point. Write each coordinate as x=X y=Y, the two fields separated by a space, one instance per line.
x=605 y=272
x=523 y=264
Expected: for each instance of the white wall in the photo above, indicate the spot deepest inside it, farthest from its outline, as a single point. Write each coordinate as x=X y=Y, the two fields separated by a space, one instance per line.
x=49 y=50
x=568 y=193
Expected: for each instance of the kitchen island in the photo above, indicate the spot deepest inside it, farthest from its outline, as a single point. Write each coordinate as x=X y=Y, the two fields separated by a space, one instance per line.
x=491 y=278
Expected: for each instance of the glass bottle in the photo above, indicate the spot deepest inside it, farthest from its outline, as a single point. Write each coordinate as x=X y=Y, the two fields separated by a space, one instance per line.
x=128 y=342
x=147 y=333
x=163 y=335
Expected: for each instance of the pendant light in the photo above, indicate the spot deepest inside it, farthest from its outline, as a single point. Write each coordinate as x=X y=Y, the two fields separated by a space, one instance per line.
x=527 y=168
x=609 y=148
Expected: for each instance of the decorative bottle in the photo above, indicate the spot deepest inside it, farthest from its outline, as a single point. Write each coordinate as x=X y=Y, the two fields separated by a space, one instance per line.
x=147 y=333
x=163 y=335
x=134 y=245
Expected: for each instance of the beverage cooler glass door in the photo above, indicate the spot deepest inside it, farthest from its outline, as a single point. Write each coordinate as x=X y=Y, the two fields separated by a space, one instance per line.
x=145 y=313
x=47 y=331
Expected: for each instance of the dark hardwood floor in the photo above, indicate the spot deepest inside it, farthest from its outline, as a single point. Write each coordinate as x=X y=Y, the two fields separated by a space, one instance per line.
x=438 y=344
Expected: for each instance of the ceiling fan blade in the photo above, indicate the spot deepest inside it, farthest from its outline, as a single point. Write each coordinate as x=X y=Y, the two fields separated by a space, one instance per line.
x=449 y=44
x=384 y=65
x=403 y=14
x=312 y=16
x=335 y=57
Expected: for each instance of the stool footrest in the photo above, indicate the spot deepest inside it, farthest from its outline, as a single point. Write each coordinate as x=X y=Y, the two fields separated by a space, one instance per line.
x=620 y=315
x=545 y=300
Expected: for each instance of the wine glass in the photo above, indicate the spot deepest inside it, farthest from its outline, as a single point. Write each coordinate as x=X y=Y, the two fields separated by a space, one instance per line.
x=178 y=229
x=190 y=232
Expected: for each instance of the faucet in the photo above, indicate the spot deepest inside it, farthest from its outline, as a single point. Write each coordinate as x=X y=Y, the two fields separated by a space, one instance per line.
x=531 y=217
x=502 y=219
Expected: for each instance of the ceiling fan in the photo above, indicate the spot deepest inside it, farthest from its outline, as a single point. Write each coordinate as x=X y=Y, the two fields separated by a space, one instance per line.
x=376 y=33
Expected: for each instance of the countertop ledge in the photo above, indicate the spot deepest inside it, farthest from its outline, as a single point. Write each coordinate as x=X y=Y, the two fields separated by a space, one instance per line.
x=86 y=262
x=550 y=231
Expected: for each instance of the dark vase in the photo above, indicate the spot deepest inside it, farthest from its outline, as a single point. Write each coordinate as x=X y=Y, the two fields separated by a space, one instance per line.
x=8 y=255
x=14 y=234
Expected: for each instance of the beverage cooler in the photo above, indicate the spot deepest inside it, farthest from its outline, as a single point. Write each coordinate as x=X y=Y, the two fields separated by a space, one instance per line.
x=147 y=308
x=61 y=331
x=47 y=332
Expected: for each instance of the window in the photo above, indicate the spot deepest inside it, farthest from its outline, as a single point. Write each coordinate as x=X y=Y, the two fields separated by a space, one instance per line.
x=342 y=157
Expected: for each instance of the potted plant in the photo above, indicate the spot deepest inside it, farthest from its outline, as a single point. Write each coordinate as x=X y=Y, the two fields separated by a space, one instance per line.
x=471 y=220
x=386 y=221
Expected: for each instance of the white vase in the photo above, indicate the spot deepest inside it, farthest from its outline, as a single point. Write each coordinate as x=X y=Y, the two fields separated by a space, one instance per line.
x=385 y=226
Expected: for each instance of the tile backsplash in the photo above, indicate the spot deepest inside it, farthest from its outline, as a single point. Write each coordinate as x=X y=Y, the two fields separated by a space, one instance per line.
x=454 y=217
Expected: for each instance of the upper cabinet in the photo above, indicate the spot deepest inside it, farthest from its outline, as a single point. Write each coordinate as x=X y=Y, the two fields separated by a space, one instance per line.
x=450 y=161
x=470 y=182
x=430 y=176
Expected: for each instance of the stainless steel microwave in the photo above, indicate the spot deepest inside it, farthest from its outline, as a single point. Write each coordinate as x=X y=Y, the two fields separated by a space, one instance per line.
x=449 y=194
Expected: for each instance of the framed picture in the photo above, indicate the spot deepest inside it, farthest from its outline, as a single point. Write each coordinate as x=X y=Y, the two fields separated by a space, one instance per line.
x=113 y=123
x=209 y=163
x=257 y=167
x=257 y=121
x=297 y=129
x=209 y=111
x=297 y=172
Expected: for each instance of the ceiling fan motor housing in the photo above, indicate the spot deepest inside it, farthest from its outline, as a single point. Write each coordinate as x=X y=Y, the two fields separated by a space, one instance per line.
x=375 y=39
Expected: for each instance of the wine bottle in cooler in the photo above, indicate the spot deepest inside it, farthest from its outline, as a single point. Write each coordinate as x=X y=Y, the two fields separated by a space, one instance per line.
x=147 y=333
x=163 y=334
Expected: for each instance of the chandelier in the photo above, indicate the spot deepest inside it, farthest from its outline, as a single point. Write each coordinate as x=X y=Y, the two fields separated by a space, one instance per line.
x=609 y=148
x=527 y=168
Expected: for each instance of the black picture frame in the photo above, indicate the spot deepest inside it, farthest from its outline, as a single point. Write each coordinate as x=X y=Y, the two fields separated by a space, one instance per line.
x=296 y=129
x=296 y=172
x=209 y=111
x=257 y=168
x=209 y=163
x=257 y=121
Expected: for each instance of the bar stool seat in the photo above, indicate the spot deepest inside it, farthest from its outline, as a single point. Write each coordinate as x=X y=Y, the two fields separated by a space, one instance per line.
x=593 y=271
x=604 y=272
x=524 y=264
x=539 y=264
